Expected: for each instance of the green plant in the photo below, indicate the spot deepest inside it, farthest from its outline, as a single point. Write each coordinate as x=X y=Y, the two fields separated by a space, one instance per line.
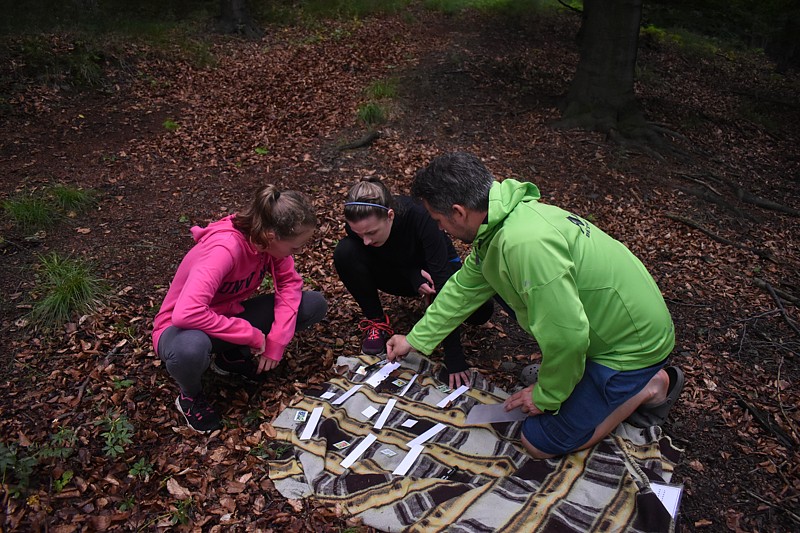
x=266 y=284
x=382 y=89
x=127 y=504
x=117 y=434
x=371 y=114
x=118 y=384
x=62 y=444
x=72 y=198
x=260 y=150
x=62 y=482
x=16 y=468
x=182 y=511
x=30 y=213
x=256 y=415
x=170 y=125
x=65 y=286
x=141 y=469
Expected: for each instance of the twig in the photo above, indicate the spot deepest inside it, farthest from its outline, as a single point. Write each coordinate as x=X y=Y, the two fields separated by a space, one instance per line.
x=762 y=419
x=786 y=418
x=766 y=254
x=758 y=282
x=780 y=306
x=793 y=516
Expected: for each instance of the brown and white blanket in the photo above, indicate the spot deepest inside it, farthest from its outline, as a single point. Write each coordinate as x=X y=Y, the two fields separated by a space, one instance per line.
x=495 y=485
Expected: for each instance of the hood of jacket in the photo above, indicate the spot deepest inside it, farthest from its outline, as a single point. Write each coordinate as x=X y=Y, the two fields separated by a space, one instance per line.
x=504 y=196
x=221 y=230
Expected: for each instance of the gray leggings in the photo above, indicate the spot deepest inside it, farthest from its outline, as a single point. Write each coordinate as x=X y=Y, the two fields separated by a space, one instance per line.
x=187 y=352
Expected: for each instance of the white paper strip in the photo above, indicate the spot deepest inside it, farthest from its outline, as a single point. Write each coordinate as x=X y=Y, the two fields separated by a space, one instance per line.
x=408 y=385
x=426 y=436
x=353 y=456
x=341 y=399
x=328 y=395
x=453 y=395
x=311 y=425
x=369 y=411
x=385 y=413
x=410 y=423
x=376 y=378
x=409 y=459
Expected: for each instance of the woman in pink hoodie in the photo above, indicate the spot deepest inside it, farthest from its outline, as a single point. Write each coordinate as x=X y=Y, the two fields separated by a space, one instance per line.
x=206 y=310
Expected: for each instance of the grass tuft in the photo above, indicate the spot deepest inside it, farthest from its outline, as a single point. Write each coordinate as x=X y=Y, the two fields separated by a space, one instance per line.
x=66 y=287
x=381 y=89
x=30 y=213
x=72 y=199
x=371 y=114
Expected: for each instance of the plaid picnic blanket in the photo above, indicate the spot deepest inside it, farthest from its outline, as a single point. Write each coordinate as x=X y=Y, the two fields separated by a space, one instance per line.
x=495 y=485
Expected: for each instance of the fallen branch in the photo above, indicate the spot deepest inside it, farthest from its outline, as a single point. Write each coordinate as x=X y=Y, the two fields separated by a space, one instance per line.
x=793 y=516
x=763 y=419
x=366 y=140
x=745 y=196
x=780 y=306
x=765 y=254
x=761 y=284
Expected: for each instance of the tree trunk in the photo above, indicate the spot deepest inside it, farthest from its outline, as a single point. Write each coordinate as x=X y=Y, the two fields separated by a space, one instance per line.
x=601 y=96
x=234 y=18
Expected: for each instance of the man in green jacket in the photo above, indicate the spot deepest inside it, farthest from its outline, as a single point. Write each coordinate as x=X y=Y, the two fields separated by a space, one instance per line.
x=598 y=316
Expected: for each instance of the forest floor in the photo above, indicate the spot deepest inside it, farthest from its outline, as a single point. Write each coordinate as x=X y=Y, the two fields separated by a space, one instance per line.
x=277 y=111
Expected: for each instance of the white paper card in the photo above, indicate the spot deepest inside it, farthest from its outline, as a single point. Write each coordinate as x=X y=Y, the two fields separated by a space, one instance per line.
x=328 y=395
x=453 y=395
x=311 y=425
x=407 y=461
x=341 y=399
x=353 y=456
x=385 y=413
x=426 y=436
x=383 y=373
x=410 y=423
x=670 y=496
x=369 y=411
x=496 y=412
x=408 y=385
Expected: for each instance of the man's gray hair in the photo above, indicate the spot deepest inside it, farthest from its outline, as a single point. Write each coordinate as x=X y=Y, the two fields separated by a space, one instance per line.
x=455 y=178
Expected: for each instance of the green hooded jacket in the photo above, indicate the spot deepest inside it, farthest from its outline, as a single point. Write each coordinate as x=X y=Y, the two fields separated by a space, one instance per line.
x=578 y=291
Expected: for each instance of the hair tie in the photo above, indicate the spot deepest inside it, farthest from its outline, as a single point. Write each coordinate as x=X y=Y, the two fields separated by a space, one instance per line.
x=366 y=204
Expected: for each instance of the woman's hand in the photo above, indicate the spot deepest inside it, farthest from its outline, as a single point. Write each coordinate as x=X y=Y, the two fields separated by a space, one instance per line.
x=265 y=364
x=459 y=378
x=428 y=289
x=260 y=349
x=524 y=400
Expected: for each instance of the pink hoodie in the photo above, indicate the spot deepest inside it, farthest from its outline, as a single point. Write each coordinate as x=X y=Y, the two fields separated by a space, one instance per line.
x=216 y=275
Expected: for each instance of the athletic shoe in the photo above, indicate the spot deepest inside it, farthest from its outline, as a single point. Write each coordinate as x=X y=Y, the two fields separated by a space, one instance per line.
x=199 y=414
x=235 y=362
x=376 y=333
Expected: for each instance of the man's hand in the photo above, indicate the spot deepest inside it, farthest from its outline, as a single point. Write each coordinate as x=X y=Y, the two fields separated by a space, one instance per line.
x=458 y=379
x=524 y=400
x=397 y=347
x=265 y=364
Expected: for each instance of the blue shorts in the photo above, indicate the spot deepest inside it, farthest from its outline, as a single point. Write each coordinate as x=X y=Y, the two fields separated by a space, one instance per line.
x=598 y=394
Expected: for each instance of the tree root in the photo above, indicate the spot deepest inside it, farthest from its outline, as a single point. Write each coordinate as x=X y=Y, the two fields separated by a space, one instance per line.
x=764 y=254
